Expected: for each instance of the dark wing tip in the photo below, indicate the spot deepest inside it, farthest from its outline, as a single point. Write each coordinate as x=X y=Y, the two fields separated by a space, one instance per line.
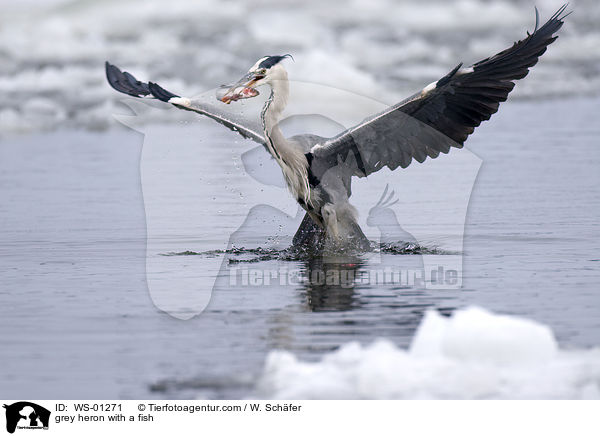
x=124 y=82
x=448 y=76
x=560 y=15
x=554 y=23
x=160 y=93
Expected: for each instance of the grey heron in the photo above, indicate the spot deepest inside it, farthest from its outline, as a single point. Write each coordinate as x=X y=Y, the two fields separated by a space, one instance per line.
x=319 y=171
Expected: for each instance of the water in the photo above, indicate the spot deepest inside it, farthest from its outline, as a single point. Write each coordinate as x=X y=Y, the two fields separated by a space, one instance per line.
x=78 y=320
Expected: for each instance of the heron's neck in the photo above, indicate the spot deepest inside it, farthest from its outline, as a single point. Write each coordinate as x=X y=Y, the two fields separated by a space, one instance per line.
x=288 y=154
x=271 y=114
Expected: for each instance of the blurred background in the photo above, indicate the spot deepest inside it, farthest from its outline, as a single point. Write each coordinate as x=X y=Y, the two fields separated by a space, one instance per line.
x=52 y=51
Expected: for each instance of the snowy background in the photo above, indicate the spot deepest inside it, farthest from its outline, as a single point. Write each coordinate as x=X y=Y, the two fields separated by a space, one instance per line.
x=52 y=51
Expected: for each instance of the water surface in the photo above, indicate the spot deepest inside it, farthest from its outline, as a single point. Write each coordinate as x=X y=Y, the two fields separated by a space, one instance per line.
x=78 y=320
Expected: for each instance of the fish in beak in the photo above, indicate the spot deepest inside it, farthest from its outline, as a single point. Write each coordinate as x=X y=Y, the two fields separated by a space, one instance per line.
x=244 y=88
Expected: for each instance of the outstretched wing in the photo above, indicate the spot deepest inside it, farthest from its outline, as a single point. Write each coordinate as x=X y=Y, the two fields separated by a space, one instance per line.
x=440 y=116
x=126 y=83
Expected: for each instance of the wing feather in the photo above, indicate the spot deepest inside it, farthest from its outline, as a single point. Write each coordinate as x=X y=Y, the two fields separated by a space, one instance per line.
x=444 y=114
x=126 y=83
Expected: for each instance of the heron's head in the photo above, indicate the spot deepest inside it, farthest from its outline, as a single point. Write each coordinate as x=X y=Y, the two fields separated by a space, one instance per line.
x=263 y=72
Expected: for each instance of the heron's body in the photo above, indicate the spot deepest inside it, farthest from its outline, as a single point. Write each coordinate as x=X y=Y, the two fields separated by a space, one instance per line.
x=318 y=171
x=325 y=200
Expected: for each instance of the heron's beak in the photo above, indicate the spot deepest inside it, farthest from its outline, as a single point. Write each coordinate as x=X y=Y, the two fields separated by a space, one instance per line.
x=244 y=88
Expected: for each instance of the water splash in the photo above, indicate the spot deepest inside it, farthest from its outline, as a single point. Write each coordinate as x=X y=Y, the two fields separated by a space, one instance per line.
x=264 y=254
